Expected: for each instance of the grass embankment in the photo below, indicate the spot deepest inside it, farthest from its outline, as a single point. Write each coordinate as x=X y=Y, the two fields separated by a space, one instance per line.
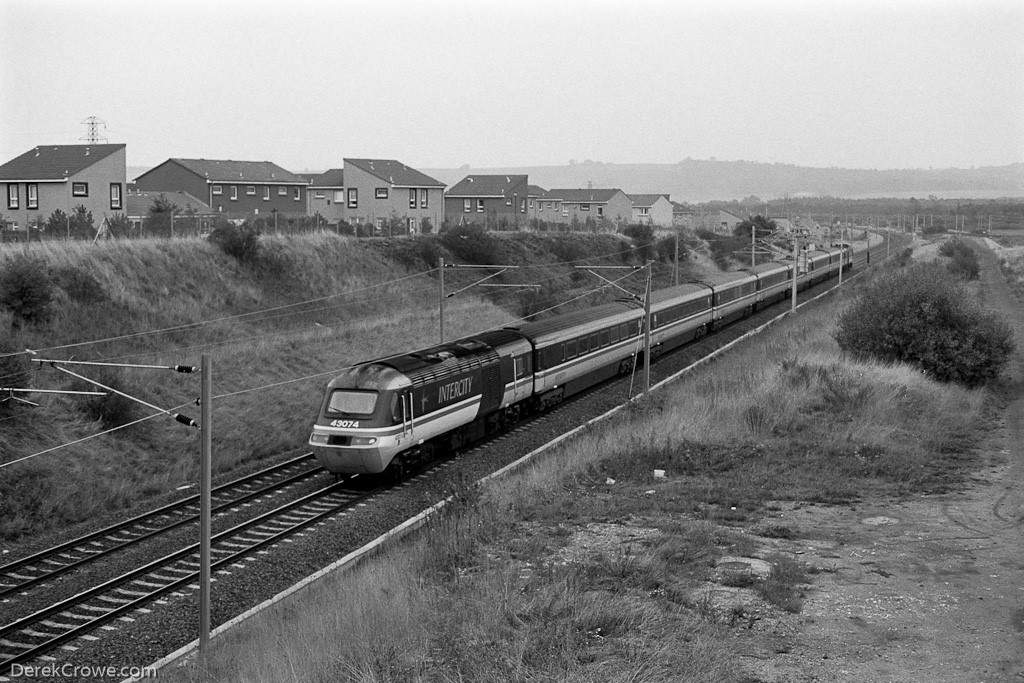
x=210 y=303
x=588 y=567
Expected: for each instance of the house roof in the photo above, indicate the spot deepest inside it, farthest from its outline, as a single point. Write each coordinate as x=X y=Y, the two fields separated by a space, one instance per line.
x=485 y=185
x=394 y=172
x=55 y=162
x=678 y=207
x=582 y=196
x=535 y=191
x=139 y=201
x=645 y=200
x=334 y=177
x=230 y=171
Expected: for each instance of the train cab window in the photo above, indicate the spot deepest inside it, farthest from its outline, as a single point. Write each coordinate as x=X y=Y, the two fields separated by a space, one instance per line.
x=396 y=409
x=350 y=402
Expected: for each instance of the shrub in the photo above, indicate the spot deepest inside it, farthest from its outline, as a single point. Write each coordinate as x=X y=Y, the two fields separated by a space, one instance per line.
x=241 y=241
x=470 y=244
x=642 y=236
x=111 y=410
x=79 y=285
x=26 y=290
x=919 y=315
x=426 y=226
x=14 y=369
x=963 y=261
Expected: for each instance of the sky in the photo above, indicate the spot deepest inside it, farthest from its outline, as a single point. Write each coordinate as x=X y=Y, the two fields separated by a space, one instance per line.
x=440 y=84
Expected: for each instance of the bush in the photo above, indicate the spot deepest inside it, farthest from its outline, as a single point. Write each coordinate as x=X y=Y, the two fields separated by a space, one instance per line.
x=470 y=244
x=241 y=241
x=111 y=410
x=963 y=260
x=26 y=290
x=921 y=316
x=14 y=370
x=79 y=285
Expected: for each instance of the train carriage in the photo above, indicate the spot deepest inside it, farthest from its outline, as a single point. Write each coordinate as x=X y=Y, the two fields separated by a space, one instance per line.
x=774 y=282
x=734 y=296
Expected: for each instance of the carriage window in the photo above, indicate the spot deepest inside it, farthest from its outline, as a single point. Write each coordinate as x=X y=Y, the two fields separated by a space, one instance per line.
x=595 y=341
x=352 y=402
x=581 y=345
x=615 y=334
x=605 y=338
x=570 y=350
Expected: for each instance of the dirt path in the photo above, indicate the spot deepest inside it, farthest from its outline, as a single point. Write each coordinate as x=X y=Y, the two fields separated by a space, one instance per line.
x=930 y=589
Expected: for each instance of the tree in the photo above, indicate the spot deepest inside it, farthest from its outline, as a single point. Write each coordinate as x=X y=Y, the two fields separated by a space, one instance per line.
x=921 y=316
x=58 y=224
x=762 y=226
x=82 y=226
x=160 y=219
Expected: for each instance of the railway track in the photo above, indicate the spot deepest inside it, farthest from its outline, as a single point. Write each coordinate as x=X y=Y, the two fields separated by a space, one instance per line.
x=35 y=570
x=31 y=637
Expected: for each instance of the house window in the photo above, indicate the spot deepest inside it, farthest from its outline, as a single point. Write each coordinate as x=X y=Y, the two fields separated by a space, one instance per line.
x=31 y=196
x=540 y=206
x=79 y=189
x=522 y=206
x=423 y=198
x=531 y=203
x=217 y=189
x=380 y=193
x=115 y=196
x=644 y=211
x=297 y=195
x=353 y=198
x=565 y=209
x=584 y=207
x=234 y=193
x=412 y=197
x=508 y=201
x=479 y=206
x=467 y=205
x=266 y=193
x=339 y=196
x=319 y=194
x=250 y=189
x=412 y=226
x=282 y=191
x=600 y=211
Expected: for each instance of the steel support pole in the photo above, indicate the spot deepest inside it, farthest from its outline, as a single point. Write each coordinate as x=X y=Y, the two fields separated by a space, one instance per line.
x=796 y=258
x=440 y=299
x=647 y=331
x=677 y=255
x=205 y=472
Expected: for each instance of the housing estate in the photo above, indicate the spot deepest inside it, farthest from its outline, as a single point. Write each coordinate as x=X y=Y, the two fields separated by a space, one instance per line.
x=193 y=215
x=391 y=196
x=494 y=201
x=52 y=177
x=652 y=209
x=236 y=189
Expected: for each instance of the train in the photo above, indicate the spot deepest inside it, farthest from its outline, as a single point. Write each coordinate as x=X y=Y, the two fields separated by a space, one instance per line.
x=383 y=415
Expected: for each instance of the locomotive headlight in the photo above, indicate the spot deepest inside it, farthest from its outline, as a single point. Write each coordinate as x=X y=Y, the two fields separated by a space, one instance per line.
x=363 y=441
x=319 y=438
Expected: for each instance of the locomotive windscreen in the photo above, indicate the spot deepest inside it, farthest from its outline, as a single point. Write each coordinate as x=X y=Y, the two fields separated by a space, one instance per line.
x=352 y=402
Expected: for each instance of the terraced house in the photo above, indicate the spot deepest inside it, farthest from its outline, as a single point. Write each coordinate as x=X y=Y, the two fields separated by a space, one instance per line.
x=391 y=196
x=326 y=195
x=236 y=189
x=604 y=207
x=495 y=202
x=52 y=177
x=653 y=209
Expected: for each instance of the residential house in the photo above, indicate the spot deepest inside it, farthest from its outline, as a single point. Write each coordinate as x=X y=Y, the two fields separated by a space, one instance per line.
x=653 y=209
x=191 y=216
x=604 y=207
x=496 y=202
x=390 y=195
x=727 y=222
x=52 y=177
x=683 y=216
x=548 y=206
x=326 y=195
x=236 y=189
x=533 y=195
